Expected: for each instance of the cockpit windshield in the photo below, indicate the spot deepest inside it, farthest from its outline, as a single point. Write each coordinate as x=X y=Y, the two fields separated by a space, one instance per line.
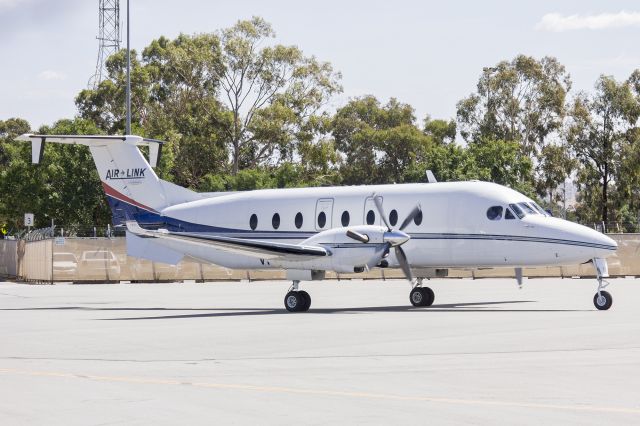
x=523 y=209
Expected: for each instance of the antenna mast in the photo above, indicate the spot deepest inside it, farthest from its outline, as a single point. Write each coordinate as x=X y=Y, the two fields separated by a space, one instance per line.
x=108 y=37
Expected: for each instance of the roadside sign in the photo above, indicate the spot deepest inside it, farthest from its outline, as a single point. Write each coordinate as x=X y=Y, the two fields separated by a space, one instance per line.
x=59 y=241
x=28 y=219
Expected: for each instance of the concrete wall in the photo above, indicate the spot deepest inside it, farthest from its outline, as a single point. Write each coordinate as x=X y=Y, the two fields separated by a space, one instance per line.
x=103 y=259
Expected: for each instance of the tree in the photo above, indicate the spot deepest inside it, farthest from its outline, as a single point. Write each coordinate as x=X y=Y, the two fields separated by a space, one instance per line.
x=597 y=132
x=379 y=143
x=271 y=92
x=522 y=100
x=65 y=185
x=500 y=162
x=555 y=165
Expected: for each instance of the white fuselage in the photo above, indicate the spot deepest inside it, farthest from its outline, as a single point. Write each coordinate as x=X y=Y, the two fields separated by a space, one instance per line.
x=455 y=230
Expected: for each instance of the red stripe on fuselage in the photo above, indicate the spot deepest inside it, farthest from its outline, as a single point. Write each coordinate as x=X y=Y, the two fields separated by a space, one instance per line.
x=115 y=194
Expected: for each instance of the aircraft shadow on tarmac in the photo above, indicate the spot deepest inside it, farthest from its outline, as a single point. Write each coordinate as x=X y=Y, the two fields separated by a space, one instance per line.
x=232 y=312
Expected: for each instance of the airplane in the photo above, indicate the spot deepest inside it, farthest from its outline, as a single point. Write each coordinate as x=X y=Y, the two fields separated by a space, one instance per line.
x=421 y=227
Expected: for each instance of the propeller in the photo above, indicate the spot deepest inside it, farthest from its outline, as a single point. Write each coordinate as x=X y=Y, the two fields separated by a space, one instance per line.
x=395 y=238
x=392 y=238
x=363 y=238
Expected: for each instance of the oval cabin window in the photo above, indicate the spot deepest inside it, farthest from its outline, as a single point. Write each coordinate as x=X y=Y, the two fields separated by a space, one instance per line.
x=345 y=218
x=253 y=222
x=298 y=220
x=275 y=221
x=418 y=219
x=322 y=220
x=393 y=217
x=371 y=217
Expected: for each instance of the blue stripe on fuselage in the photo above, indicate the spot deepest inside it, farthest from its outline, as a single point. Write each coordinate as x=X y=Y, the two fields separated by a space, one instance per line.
x=123 y=211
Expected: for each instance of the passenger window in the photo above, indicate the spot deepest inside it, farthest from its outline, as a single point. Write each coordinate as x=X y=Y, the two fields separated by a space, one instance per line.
x=253 y=222
x=418 y=218
x=275 y=221
x=494 y=213
x=298 y=220
x=508 y=214
x=345 y=218
x=371 y=217
x=393 y=217
x=322 y=220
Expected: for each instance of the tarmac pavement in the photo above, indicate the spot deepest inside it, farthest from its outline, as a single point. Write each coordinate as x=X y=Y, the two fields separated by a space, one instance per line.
x=228 y=353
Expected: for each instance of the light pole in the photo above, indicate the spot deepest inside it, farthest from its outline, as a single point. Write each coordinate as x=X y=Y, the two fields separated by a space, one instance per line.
x=128 y=92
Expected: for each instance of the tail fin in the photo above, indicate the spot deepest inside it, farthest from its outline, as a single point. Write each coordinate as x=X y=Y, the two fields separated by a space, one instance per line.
x=133 y=189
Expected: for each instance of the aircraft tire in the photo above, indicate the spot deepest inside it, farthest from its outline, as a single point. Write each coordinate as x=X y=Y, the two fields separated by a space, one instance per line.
x=417 y=297
x=307 y=301
x=603 y=302
x=429 y=296
x=294 y=301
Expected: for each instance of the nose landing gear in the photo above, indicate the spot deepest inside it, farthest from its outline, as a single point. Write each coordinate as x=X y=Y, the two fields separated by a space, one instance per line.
x=602 y=300
x=421 y=296
x=297 y=300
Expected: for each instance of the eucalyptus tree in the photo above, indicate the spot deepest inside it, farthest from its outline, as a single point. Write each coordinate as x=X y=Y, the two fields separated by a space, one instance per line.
x=522 y=100
x=599 y=131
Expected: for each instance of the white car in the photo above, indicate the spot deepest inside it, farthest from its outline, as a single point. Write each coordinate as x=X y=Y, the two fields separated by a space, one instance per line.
x=98 y=265
x=65 y=266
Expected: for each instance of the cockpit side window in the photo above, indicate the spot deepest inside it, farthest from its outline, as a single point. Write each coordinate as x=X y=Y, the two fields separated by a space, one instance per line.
x=494 y=213
x=517 y=210
x=508 y=214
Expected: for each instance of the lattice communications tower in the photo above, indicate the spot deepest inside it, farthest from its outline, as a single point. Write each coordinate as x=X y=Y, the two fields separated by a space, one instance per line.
x=108 y=37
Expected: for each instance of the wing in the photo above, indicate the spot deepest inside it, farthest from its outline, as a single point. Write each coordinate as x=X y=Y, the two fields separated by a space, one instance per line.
x=253 y=248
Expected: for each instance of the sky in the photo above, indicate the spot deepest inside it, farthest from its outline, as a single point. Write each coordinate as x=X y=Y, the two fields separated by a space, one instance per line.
x=424 y=53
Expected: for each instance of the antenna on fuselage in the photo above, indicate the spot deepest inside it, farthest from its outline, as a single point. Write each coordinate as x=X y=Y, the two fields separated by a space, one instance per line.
x=431 y=177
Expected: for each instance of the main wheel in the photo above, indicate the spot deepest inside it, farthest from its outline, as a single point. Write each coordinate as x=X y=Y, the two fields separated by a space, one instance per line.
x=429 y=296
x=307 y=301
x=294 y=301
x=602 y=300
x=418 y=297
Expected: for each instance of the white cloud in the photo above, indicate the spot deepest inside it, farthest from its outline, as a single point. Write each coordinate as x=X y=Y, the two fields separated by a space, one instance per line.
x=48 y=75
x=557 y=23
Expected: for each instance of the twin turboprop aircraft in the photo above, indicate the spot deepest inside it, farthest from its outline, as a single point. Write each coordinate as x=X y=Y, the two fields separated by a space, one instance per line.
x=308 y=231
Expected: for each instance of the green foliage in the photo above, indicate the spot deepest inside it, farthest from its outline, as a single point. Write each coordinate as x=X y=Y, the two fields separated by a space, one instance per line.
x=64 y=187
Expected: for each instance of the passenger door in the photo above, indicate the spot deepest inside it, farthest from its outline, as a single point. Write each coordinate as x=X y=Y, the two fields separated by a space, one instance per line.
x=324 y=214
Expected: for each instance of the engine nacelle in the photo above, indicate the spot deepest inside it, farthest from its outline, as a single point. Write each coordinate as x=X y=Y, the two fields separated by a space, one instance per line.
x=347 y=255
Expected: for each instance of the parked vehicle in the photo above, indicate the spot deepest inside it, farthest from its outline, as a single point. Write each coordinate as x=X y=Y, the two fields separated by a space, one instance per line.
x=65 y=266
x=98 y=265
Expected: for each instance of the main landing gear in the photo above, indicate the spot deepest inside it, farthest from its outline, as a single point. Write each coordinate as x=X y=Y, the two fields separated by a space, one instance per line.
x=602 y=299
x=297 y=300
x=421 y=296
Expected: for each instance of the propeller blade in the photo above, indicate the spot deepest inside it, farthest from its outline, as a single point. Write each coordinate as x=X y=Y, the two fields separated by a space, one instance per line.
x=404 y=263
x=416 y=210
x=378 y=202
x=363 y=238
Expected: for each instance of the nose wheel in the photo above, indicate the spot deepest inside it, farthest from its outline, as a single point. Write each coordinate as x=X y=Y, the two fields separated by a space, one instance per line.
x=297 y=300
x=421 y=296
x=602 y=300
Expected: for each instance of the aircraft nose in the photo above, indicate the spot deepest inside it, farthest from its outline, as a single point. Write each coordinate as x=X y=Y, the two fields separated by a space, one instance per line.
x=601 y=242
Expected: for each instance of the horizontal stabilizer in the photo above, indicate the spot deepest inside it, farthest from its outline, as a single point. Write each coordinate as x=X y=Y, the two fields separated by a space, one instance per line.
x=38 y=141
x=147 y=248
